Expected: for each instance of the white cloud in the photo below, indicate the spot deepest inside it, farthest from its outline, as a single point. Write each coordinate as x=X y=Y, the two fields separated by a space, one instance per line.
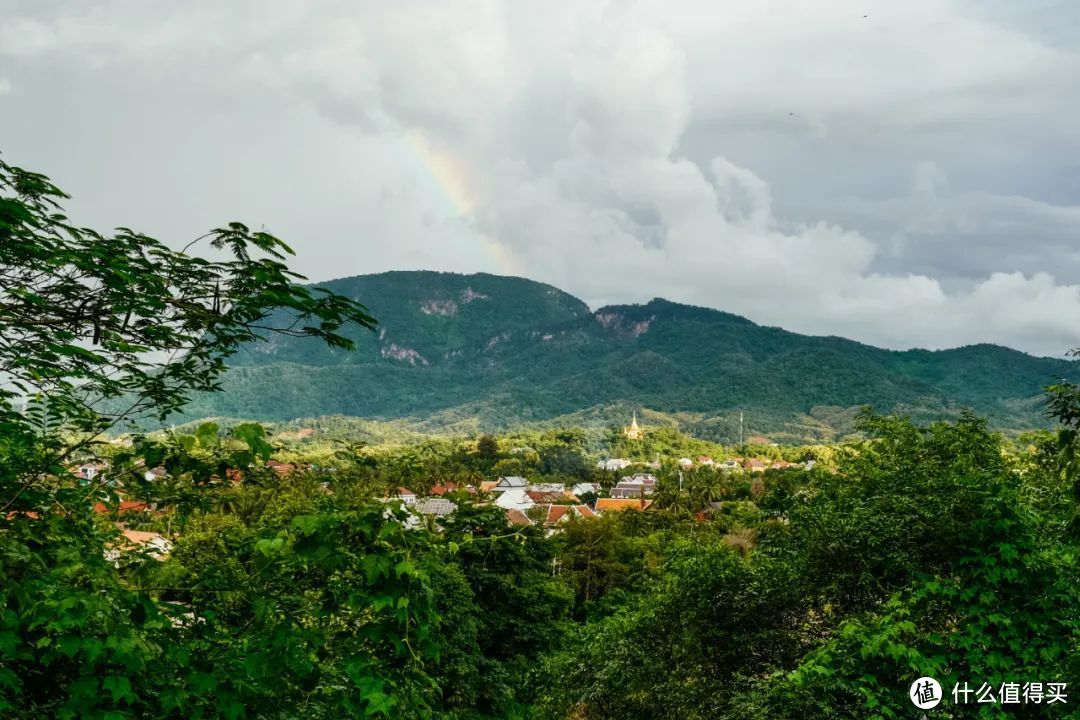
x=795 y=162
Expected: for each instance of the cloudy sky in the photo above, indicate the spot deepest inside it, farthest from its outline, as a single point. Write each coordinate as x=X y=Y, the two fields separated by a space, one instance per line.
x=903 y=173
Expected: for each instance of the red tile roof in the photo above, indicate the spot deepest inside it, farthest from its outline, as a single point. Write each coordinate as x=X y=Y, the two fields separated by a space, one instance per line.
x=541 y=497
x=125 y=506
x=516 y=517
x=557 y=513
x=156 y=543
x=441 y=490
x=138 y=537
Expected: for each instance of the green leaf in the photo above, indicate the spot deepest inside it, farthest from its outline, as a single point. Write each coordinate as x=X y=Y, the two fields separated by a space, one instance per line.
x=206 y=434
x=119 y=687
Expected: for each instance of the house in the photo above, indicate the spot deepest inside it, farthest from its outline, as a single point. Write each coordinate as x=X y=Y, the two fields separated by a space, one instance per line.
x=515 y=499
x=604 y=505
x=634 y=486
x=405 y=495
x=546 y=487
x=623 y=491
x=488 y=485
x=705 y=460
x=729 y=464
x=510 y=482
x=440 y=490
x=279 y=467
x=754 y=465
x=686 y=463
x=554 y=515
x=153 y=544
x=614 y=464
x=546 y=498
x=585 y=488
x=155 y=474
x=132 y=506
x=559 y=513
x=407 y=520
x=89 y=470
x=233 y=475
x=437 y=506
x=518 y=518
x=782 y=465
x=124 y=508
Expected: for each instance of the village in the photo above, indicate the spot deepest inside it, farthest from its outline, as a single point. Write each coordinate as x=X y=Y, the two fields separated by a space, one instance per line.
x=550 y=504
x=526 y=502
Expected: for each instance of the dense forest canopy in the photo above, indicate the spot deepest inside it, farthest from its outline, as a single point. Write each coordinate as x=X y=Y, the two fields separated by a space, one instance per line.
x=231 y=571
x=457 y=352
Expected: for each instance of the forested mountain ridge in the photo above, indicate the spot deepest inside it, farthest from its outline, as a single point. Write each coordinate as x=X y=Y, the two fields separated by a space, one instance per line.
x=507 y=350
x=427 y=318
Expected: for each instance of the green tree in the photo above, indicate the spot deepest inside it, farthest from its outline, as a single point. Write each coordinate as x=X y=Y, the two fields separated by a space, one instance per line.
x=523 y=610
x=562 y=460
x=920 y=556
x=590 y=558
x=330 y=611
x=487 y=449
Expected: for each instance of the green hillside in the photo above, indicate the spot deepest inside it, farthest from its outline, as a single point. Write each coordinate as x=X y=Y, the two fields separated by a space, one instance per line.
x=502 y=351
x=431 y=314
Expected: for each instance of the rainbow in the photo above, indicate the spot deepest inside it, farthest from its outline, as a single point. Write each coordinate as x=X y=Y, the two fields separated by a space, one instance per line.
x=448 y=181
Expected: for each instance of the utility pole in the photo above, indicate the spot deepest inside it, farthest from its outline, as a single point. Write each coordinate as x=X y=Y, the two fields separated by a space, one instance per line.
x=740 y=427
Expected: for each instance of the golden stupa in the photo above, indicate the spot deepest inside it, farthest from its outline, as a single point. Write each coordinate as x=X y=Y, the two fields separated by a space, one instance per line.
x=634 y=431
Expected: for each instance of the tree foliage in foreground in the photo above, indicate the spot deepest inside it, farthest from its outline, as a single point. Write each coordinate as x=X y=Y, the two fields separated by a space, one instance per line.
x=939 y=550
x=96 y=329
x=919 y=557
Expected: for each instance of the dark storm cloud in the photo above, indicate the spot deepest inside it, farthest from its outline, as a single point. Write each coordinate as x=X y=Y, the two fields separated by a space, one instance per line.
x=899 y=173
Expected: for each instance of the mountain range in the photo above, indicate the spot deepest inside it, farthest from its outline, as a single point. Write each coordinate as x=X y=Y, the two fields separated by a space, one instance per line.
x=488 y=352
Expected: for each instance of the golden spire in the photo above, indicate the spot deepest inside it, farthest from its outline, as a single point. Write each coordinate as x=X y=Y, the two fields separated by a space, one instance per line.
x=634 y=431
